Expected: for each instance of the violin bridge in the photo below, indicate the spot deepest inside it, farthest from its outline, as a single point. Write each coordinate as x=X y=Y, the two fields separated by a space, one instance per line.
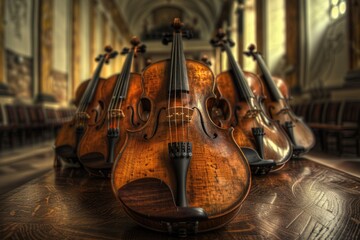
x=179 y=114
x=116 y=113
x=82 y=115
x=283 y=111
x=252 y=113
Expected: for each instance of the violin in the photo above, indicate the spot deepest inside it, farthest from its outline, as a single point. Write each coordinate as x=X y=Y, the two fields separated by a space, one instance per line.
x=277 y=107
x=180 y=173
x=262 y=140
x=89 y=111
x=120 y=96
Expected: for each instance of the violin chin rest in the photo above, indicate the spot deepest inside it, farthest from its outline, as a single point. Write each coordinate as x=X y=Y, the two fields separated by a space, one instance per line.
x=152 y=198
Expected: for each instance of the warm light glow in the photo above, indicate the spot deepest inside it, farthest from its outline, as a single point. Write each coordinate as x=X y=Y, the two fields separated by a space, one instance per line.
x=335 y=12
x=334 y=2
x=342 y=7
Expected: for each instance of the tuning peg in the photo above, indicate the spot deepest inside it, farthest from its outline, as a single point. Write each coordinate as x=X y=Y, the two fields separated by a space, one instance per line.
x=125 y=51
x=113 y=54
x=231 y=42
x=98 y=58
x=187 y=34
x=166 y=38
x=214 y=42
x=142 y=48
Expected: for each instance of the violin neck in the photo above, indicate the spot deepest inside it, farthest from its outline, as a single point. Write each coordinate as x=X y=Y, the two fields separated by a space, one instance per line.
x=122 y=82
x=240 y=79
x=90 y=89
x=125 y=75
x=178 y=73
x=274 y=91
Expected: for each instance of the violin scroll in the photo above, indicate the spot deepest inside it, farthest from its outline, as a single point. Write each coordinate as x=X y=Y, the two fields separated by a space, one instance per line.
x=108 y=55
x=177 y=25
x=220 y=40
x=251 y=52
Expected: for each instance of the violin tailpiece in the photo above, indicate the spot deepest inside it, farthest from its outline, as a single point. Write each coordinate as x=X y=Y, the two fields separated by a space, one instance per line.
x=113 y=136
x=258 y=134
x=180 y=154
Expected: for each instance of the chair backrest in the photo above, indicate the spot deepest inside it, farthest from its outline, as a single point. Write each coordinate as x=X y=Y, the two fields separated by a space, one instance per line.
x=316 y=112
x=2 y=116
x=332 y=112
x=22 y=114
x=50 y=115
x=33 y=117
x=351 y=112
x=40 y=114
x=11 y=115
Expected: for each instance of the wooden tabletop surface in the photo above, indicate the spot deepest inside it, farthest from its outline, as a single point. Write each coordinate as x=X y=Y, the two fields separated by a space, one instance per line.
x=304 y=200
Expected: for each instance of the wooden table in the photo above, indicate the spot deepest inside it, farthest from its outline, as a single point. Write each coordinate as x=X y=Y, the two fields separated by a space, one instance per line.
x=304 y=200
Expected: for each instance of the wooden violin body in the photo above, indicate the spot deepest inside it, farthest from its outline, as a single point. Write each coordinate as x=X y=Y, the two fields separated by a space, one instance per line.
x=253 y=129
x=262 y=140
x=277 y=107
x=93 y=150
x=120 y=96
x=68 y=137
x=299 y=133
x=90 y=110
x=218 y=176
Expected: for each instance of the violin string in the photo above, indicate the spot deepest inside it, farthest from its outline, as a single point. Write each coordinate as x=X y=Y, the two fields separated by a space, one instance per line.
x=85 y=99
x=181 y=87
x=170 y=85
x=240 y=78
x=175 y=77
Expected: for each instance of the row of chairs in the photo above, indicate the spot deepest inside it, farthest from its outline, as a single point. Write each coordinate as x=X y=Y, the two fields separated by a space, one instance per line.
x=22 y=125
x=335 y=123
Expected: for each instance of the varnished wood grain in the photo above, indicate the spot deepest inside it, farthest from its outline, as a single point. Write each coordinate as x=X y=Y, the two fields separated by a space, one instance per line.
x=303 y=201
x=218 y=177
x=276 y=144
x=93 y=147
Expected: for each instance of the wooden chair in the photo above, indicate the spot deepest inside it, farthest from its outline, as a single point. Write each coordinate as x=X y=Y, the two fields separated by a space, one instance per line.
x=316 y=118
x=2 y=127
x=23 y=125
x=12 y=125
x=346 y=134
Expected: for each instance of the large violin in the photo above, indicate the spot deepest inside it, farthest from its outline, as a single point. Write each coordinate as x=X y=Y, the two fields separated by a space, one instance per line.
x=120 y=95
x=180 y=173
x=277 y=107
x=241 y=95
x=89 y=111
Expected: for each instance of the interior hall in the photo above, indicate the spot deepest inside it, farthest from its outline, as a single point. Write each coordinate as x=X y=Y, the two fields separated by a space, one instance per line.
x=53 y=53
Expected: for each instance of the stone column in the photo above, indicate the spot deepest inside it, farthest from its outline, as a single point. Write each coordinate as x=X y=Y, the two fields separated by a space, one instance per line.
x=353 y=16
x=93 y=44
x=4 y=89
x=76 y=48
x=292 y=59
x=45 y=48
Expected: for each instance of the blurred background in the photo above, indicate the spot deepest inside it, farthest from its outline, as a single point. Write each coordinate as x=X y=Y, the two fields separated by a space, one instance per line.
x=48 y=47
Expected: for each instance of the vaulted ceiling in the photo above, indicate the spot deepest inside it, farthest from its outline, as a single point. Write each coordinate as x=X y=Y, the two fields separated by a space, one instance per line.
x=144 y=14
